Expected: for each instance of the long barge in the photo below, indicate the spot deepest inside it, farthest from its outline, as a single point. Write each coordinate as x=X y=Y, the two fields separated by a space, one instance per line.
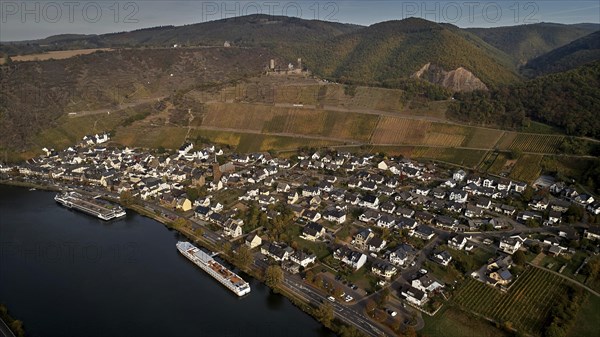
x=219 y=272
x=104 y=211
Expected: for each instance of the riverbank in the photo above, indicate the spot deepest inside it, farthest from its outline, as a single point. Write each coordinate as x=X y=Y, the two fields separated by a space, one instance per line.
x=165 y=217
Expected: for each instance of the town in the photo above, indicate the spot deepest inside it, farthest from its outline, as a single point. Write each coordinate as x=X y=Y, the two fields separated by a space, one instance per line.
x=374 y=241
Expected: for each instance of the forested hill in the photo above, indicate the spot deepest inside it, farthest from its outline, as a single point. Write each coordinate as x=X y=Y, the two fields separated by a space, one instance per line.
x=569 y=100
x=573 y=55
x=526 y=42
x=244 y=31
x=397 y=49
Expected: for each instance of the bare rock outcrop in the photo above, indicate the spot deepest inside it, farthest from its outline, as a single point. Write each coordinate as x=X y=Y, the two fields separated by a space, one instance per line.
x=459 y=79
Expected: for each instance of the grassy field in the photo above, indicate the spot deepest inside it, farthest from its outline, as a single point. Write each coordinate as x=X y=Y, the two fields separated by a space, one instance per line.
x=527 y=168
x=525 y=306
x=468 y=158
x=586 y=323
x=451 y=321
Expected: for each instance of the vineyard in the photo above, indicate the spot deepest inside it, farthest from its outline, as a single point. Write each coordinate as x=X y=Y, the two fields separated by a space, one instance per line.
x=468 y=158
x=445 y=135
x=537 y=143
x=237 y=116
x=527 y=168
x=526 y=305
x=392 y=130
x=482 y=138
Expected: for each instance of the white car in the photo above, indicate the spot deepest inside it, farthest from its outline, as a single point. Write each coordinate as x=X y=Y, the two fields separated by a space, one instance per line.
x=348 y=298
x=392 y=312
x=331 y=298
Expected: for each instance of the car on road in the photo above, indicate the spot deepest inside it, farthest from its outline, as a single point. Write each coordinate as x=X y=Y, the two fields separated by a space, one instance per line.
x=348 y=298
x=391 y=312
x=331 y=298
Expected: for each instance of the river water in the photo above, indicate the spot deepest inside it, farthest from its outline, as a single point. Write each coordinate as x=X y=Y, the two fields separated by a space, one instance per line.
x=64 y=273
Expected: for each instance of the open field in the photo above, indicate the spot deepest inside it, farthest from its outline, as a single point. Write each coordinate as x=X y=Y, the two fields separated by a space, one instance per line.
x=451 y=321
x=56 y=55
x=526 y=305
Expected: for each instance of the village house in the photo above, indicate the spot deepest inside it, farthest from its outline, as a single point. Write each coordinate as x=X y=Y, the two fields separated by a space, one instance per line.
x=352 y=258
x=276 y=252
x=442 y=257
x=414 y=295
x=511 y=244
x=303 y=259
x=427 y=284
x=403 y=255
x=253 y=241
x=385 y=270
x=312 y=231
x=233 y=228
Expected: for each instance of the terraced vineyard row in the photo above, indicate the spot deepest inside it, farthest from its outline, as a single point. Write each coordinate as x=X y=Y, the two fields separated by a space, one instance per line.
x=526 y=305
x=392 y=130
x=537 y=143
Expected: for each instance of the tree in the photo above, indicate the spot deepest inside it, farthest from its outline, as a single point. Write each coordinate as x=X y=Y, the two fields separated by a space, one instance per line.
x=370 y=306
x=396 y=325
x=226 y=247
x=273 y=276
x=127 y=198
x=243 y=256
x=310 y=276
x=519 y=257
x=324 y=313
x=410 y=332
x=383 y=297
x=536 y=249
x=338 y=291
x=192 y=193
x=180 y=223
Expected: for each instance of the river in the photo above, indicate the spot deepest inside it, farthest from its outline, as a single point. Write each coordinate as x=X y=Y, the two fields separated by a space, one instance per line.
x=64 y=273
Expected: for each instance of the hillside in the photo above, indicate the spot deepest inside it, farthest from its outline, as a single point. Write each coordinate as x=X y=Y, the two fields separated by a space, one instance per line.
x=569 y=100
x=35 y=94
x=244 y=31
x=525 y=42
x=379 y=54
x=573 y=55
x=387 y=51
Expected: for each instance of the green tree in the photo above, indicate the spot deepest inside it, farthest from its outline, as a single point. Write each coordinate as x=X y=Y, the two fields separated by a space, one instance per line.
x=180 y=223
x=519 y=257
x=370 y=306
x=324 y=313
x=383 y=297
x=273 y=276
x=127 y=198
x=243 y=256
x=192 y=193
x=310 y=276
